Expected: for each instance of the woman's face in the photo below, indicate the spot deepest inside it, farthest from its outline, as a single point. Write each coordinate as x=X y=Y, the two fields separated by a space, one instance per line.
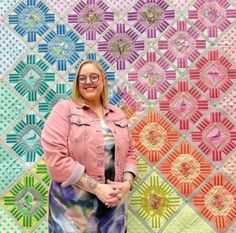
x=90 y=91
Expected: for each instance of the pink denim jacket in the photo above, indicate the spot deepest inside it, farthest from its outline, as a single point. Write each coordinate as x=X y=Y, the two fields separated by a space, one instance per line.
x=72 y=140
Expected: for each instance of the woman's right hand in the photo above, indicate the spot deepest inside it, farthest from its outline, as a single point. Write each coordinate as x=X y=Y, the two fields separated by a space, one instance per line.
x=107 y=194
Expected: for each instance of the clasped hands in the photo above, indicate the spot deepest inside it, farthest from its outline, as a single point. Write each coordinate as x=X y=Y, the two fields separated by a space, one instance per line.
x=112 y=193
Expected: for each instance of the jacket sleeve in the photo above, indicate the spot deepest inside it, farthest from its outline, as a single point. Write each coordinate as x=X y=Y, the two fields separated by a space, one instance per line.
x=54 y=139
x=131 y=162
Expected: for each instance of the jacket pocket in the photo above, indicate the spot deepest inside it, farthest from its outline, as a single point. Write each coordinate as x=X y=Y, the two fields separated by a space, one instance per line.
x=121 y=129
x=79 y=120
x=80 y=129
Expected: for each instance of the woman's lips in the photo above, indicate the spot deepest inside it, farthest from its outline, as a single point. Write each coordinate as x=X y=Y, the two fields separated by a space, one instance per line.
x=89 y=88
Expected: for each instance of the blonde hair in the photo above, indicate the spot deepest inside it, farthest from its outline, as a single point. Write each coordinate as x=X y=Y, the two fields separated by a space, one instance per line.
x=76 y=96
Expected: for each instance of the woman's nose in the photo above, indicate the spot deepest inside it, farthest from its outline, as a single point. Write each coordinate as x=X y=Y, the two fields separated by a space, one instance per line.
x=88 y=80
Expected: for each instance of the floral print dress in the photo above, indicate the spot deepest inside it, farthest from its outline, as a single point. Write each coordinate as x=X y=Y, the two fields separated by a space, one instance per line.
x=73 y=210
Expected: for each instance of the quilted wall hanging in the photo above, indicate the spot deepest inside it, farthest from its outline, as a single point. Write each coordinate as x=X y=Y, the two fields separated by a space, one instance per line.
x=171 y=67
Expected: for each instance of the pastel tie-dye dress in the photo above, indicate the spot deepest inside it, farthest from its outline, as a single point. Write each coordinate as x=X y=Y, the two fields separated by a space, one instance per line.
x=73 y=210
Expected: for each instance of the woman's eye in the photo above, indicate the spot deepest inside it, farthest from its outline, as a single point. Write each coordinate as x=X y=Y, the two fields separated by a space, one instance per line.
x=82 y=80
x=94 y=77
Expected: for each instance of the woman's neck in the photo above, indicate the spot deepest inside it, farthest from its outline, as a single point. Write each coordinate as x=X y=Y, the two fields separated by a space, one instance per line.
x=92 y=104
x=99 y=111
x=97 y=108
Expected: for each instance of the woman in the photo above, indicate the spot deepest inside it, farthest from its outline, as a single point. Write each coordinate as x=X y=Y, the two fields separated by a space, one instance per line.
x=90 y=157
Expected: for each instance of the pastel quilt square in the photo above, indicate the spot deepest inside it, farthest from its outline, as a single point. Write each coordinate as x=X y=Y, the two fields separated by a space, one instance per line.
x=31 y=19
x=151 y=75
x=181 y=44
x=120 y=45
x=214 y=74
x=215 y=135
x=91 y=18
x=31 y=77
x=154 y=136
x=61 y=47
x=183 y=105
x=154 y=201
x=186 y=168
x=27 y=202
x=216 y=201
x=24 y=138
x=151 y=17
x=212 y=17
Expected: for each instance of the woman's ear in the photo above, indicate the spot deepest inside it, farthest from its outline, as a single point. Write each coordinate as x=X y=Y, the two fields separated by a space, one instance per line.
x=104 y=79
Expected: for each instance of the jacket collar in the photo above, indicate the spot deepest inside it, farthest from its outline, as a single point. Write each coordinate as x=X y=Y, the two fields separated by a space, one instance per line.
x=107 y=107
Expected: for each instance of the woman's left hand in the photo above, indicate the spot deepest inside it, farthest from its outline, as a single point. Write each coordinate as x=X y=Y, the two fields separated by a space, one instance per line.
x=123 y=187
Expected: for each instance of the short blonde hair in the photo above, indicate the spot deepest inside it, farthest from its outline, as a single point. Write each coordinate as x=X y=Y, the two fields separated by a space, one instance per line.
x=76 y=96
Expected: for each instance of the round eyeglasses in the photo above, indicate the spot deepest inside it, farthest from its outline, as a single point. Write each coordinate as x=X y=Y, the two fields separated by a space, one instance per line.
x=93 y=78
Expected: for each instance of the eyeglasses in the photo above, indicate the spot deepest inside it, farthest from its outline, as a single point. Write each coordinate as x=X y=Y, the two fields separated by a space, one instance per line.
x=93 y=78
